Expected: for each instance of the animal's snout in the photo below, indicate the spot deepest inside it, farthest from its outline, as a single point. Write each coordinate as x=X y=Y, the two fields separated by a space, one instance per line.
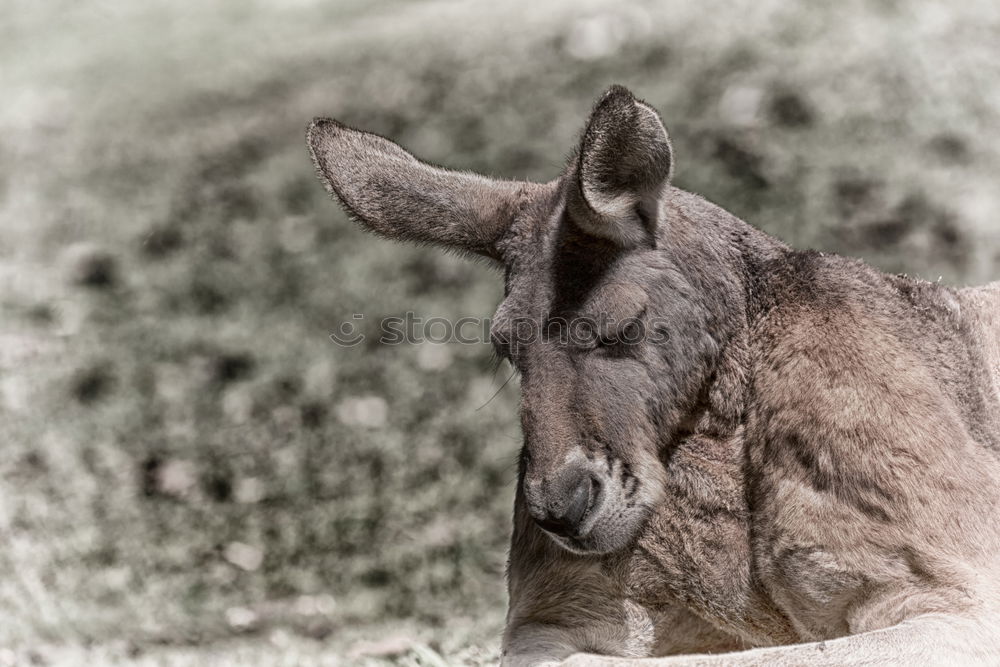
x=563 y=505
x=587 y=504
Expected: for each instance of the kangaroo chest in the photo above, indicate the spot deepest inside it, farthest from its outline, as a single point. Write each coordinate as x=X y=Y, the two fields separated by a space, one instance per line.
x=754 y=576
x=696 y=550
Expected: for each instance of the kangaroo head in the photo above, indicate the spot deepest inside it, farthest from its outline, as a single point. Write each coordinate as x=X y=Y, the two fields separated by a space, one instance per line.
x=601 y=315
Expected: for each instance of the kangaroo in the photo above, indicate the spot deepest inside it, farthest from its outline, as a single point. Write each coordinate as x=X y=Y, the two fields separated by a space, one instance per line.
x=795 y=462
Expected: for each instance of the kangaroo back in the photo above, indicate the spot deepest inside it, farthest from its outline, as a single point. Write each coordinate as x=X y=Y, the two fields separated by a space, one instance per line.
x=981 y=308
x=991 y=320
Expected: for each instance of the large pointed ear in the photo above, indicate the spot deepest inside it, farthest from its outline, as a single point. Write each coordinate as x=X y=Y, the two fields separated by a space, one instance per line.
x=395 y=195
x=622 y=171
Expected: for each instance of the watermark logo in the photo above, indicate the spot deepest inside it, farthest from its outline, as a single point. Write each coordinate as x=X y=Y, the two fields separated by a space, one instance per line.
x=579 y=332
x=349 y=334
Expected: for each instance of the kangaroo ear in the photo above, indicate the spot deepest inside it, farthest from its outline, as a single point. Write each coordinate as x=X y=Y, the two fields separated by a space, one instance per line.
x=622 y=170
x=397 y=196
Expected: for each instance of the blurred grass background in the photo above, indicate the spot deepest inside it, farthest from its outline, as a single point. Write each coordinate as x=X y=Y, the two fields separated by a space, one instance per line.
x=191 y=470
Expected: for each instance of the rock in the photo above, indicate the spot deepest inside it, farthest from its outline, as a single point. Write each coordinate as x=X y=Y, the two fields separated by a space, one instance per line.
x=317 y=628
x=434 y=356
x=280 y=638
x=368 y=411
x=237 y=404
x=595 y=37
x=605 y=34
x=390 y=647
x=740 y=105
x=249 y=491
x=297 y=234
x=244 y=556
x=176 y=478
x=242 y=619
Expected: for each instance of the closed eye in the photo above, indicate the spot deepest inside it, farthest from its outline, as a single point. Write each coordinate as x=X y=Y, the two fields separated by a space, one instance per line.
x=502 y=347
x=624 y=335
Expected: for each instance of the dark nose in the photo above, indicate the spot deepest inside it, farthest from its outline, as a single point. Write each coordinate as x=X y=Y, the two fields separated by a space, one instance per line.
x=564 y=515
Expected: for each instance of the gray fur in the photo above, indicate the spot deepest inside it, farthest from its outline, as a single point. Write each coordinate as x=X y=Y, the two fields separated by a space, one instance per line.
x=807 y=459
x=397 y=196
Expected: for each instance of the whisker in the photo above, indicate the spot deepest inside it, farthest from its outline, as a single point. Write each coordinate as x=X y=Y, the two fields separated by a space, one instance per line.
x=497 y=392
